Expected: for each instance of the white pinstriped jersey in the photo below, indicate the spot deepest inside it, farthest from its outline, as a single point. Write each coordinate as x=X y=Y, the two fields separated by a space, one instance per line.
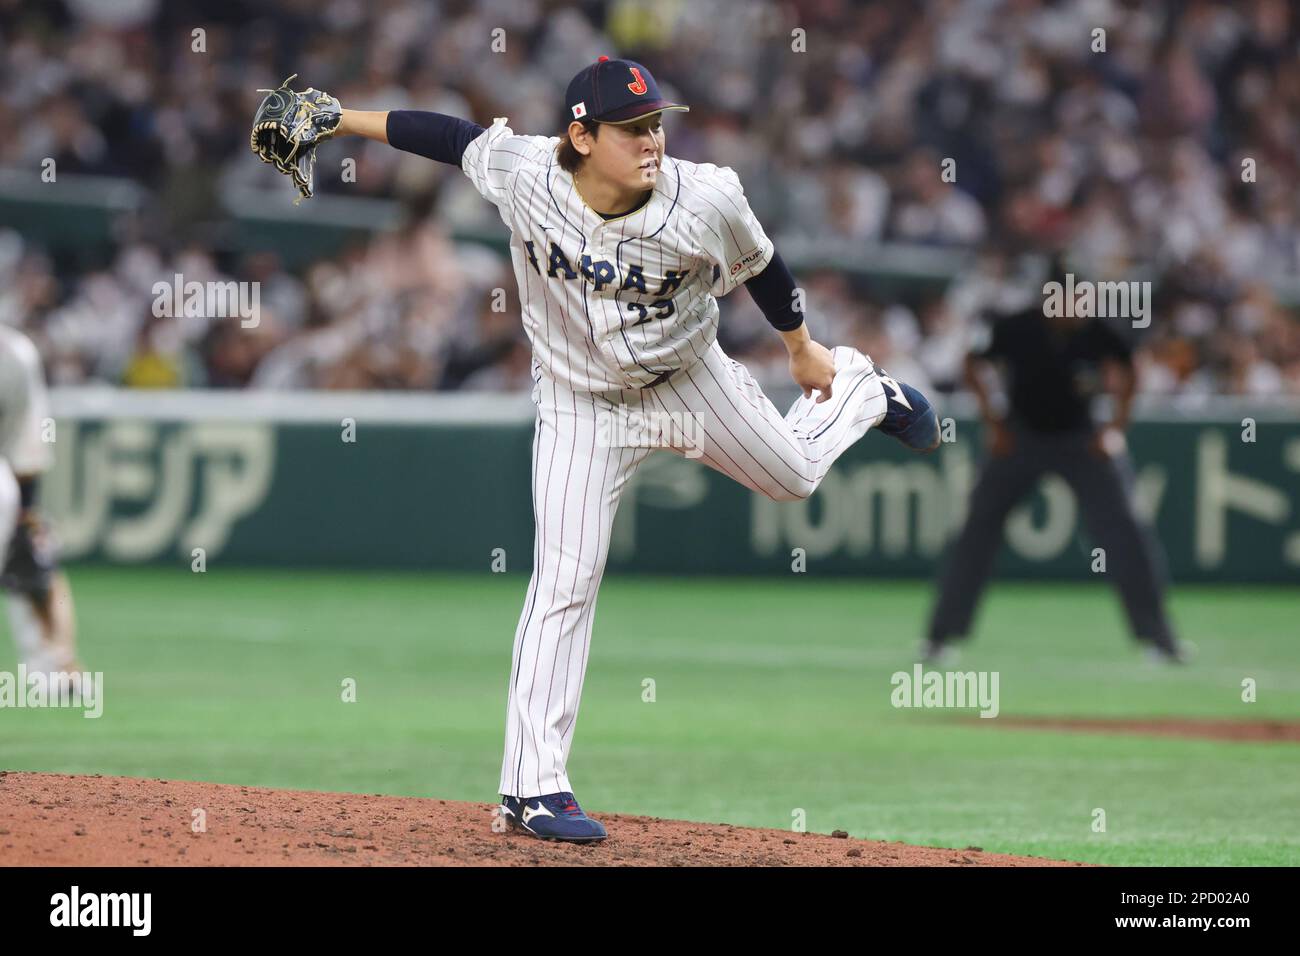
x=614 y=304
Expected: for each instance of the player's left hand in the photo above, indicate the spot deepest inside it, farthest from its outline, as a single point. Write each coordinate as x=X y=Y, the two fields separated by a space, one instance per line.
x=813 y=368
x=288 y=127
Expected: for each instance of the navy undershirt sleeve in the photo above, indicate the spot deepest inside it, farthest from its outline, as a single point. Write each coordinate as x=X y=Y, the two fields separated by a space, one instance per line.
x=773 y=290
x=434 y=135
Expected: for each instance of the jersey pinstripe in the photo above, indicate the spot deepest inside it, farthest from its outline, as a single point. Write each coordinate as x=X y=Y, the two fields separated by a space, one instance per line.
x=616 y=303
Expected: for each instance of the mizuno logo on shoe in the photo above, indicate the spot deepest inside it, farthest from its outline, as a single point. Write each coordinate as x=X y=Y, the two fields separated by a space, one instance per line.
x=898 y=395
x=540 y=811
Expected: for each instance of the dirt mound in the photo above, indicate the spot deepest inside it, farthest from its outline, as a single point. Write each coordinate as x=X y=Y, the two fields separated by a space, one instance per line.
x=59 y=820
x=1247 y=731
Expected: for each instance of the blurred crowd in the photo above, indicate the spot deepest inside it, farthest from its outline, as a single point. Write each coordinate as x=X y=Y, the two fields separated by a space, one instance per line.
x=1150 y=139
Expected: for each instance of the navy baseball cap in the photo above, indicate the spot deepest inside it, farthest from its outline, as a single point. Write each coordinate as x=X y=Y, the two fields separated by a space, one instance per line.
x=615 y=91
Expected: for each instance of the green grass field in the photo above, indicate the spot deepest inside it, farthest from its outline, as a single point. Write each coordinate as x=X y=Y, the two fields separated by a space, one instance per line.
x=770 y=696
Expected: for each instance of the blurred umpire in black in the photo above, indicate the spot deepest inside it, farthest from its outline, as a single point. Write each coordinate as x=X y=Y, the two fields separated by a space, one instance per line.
x=1053 y=368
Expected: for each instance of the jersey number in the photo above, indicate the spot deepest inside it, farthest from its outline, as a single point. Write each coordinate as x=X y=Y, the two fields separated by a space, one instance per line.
x=664 y=309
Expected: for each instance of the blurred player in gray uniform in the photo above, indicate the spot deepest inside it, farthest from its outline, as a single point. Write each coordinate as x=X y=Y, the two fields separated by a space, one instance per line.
x=39 y=599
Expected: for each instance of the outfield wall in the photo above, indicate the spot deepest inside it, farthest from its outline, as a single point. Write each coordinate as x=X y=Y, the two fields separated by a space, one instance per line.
x=441 y=481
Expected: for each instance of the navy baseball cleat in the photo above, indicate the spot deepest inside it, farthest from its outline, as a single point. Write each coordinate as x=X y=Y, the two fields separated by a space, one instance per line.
x=908 y=415
x=555 y=816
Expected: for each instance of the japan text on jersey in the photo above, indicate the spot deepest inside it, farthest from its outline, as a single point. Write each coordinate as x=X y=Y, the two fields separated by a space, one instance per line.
x=616 y=303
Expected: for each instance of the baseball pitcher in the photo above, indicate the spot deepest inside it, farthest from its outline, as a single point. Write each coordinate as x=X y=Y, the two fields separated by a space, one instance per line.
x=620 y=253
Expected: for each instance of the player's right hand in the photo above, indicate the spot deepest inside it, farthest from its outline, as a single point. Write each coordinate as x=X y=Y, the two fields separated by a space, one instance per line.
x=998 y=438
x=813 y=369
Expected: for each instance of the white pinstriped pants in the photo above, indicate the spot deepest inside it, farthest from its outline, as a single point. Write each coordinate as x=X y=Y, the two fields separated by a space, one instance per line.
x=579 y=472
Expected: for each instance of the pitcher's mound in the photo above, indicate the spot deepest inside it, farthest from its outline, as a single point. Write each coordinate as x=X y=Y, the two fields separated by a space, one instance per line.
x=60 y=820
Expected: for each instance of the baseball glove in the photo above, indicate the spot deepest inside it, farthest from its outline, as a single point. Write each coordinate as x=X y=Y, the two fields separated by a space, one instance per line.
x=289 y=126
x=31 y=561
